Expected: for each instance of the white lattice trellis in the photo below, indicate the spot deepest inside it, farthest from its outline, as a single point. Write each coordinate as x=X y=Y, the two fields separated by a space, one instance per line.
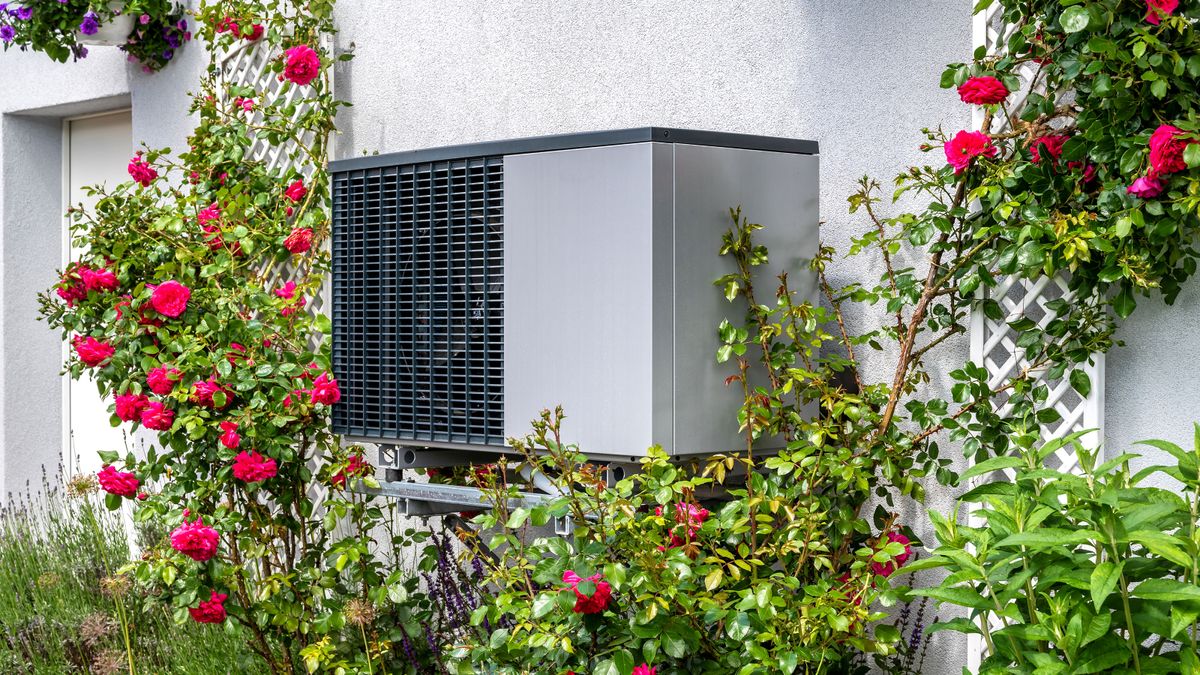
x=994 y=343
x=247 y=64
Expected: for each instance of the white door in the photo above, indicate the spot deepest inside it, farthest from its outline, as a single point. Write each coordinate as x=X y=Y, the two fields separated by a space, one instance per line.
x=97 y=150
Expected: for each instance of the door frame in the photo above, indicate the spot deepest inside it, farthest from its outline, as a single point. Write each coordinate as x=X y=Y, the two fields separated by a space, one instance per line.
x=68 y=452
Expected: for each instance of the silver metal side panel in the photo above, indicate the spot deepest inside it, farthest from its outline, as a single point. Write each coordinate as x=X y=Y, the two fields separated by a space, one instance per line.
x=777 y=190
x=587 y=315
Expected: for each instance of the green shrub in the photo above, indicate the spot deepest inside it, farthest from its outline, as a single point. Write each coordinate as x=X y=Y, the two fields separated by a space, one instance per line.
x=1086 y=573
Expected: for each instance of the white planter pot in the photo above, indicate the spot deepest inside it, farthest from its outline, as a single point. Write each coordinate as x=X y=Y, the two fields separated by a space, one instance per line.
x=114 y=32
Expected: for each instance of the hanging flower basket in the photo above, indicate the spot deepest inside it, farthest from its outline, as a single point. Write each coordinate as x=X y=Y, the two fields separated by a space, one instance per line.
x=113 y=32
x=149 y=31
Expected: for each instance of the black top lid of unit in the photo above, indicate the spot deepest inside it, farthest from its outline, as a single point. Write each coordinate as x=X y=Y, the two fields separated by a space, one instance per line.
x=590 y=139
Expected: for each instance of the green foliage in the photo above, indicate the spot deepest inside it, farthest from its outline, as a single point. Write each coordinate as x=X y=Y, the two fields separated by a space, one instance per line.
x=63 y=609
x=1078 y=573
x=753 y=587
x=53 y=28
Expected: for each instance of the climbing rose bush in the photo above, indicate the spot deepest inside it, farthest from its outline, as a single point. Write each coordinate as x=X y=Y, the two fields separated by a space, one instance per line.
x=188 y=312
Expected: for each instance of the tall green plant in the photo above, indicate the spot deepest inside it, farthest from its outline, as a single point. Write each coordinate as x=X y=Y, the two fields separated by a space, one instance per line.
x=1077 y=573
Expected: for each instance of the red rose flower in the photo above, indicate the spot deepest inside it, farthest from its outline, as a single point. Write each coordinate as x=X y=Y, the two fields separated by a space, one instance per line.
x=966 y=146
x=1146 y=187
x=299 y=241
x=985 y=90
x=296 y=191
x=1166 y=150
x=129 y=407
x=98 y=280
x=287 y=291
x=195 y=540
x=162 y=380
x=253 y=33
x=142 y=173
x=303 y=65
x=120 y=483
x=157 y=416
x=203 y=391
x=1052 y=146
x=230 y=437
x=645 y=669
x=355 y=467
x=170 y=298
x=252 y=467
x=888 y=568
x=325 y=390
x=211 y=610
x=589 y=604
x=1157 y=9
x=93 y=352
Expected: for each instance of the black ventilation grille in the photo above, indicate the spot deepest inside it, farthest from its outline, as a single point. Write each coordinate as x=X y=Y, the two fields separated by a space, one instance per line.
x=418 y=301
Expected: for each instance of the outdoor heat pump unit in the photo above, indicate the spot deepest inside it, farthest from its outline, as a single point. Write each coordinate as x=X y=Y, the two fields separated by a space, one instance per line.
x=475 y=285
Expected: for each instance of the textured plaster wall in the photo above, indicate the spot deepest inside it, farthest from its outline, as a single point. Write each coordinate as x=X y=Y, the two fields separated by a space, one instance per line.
x=1152 y=384
x=860 y=78
x=38 y=95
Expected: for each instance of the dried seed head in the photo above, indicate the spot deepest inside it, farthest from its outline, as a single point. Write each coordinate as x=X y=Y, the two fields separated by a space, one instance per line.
x=48 y=580
x=359 y=612
x=109 y=662
x=115 y=586
x=96 y=627
x=81 y=485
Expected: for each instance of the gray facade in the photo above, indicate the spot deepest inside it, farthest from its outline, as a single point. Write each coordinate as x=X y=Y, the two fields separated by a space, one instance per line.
x=859 y=78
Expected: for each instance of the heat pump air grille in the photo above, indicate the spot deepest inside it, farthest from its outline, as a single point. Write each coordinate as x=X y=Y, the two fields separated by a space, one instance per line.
x=418 y=302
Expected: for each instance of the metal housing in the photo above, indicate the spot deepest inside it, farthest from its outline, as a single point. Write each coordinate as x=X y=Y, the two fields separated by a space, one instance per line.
x=606 y=303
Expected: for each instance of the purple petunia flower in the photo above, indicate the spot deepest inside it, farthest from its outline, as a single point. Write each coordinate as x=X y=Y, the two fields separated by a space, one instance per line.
x=144 y=19
x=89 y=25
x=24 y=13
x=167 y=54
x=7 y=33
x=3 y=6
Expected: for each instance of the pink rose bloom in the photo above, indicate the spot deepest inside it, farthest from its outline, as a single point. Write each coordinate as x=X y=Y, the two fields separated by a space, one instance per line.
x=93 y=352
x=303 y=65
x=1157 y=9
x=645 y=669
x=162 y=380
x=170 y=298
x=252 y=467
x=1166 y=150
x=211 y=610
x=202 y=393
x=142 y=173
x=208 y=214
x=1146 y=187
x=299 y=241
x=195 y=540
x=325 y=390
x=129 y=407
x=296 y=191
x=966 y=146
x=230 y=437
x=1052 y=146
x=355 y=467
x=293 y=308
x=98 y=280
x=886 y=569
x=287 y=291
x=589 y=604
x=985 y=90
x=253 y=33
x=120 y=483
x=157 y=416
